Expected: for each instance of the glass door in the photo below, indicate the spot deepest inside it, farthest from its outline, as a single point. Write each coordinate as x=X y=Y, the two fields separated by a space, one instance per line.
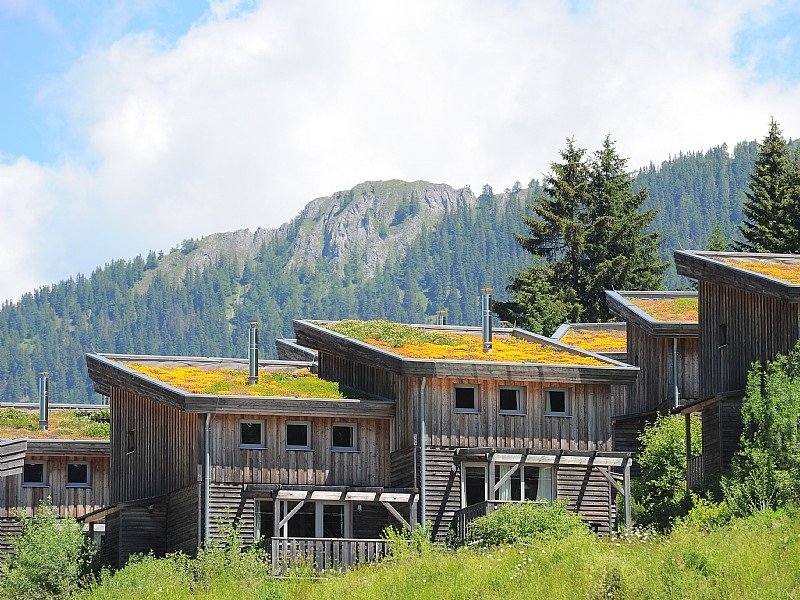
x=473 y=484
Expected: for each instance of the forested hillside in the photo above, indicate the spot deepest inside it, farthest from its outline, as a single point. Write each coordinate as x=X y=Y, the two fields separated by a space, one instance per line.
x=383 y=249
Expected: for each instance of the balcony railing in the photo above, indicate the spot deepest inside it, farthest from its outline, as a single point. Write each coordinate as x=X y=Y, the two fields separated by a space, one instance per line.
x=323 y=554
x=463 y=517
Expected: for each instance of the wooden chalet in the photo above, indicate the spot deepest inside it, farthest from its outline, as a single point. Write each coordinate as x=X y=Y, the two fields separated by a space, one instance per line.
x=749 y=312
x=471 y=432
x=662 y=340
x=72 y=473
x=308 y=468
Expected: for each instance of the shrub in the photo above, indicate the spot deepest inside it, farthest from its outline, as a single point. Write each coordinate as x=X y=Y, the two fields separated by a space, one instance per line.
x=525 y=522
x=705 y=514
x=766 y=470
x=52 y=558
x=403 y=542
x=660 y=494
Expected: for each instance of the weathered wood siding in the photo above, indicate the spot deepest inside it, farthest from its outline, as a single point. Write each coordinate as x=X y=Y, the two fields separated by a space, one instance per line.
x=589 y=494
x=653 y=354
x=712 y=445
x=405 y=467
x=165 y=441
x=443 y=489
x=109 y=548
x=722 y=430
x=357 y=375
x=183 y=520
x=368 y=466
x=229 y=504
x=587 y=428
x=758 y=327
x=142 y=529
x=10 y=528
x=72 y=502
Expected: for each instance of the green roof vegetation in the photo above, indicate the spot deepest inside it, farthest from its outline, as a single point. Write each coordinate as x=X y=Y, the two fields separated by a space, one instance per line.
x=300 y=383
x=90 y=424
x=414 y=342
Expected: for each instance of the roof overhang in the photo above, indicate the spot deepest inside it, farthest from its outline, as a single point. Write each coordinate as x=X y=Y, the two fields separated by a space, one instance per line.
x=621 y=304
x=314 y=335
x=709 y=266
x=109 y=371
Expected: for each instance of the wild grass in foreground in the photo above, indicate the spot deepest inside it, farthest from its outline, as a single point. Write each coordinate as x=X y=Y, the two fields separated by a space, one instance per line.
x=757 y=557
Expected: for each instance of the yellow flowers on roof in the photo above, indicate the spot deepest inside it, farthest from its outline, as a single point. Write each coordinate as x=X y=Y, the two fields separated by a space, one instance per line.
x=597 y=340
x=413 y=342
x=788 y=272
x=61 y=424
x=233 y=382
x=669 y=309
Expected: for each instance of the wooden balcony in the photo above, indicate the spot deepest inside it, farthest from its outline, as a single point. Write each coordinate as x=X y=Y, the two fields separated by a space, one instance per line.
x=323 y=554
x=463 y=517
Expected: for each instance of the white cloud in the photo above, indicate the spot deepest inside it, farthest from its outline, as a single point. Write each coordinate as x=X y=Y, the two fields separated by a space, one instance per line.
x=251 y=115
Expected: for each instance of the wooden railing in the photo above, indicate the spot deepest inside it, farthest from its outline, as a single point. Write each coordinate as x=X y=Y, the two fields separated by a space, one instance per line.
x=323 y=554
x=463 y=517
x=694 y=471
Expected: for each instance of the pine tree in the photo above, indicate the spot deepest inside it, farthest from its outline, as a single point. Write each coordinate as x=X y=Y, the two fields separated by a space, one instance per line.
x=772 y=209
x=587 y=234
x=717 y=240
x=620 y=251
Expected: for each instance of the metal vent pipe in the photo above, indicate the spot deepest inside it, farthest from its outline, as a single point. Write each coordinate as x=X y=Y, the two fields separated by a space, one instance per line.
x=44 y=388
x=441 y=317
x=253 y=352
x=486 y=312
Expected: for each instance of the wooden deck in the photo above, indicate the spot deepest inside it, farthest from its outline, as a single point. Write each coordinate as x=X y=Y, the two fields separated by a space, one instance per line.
x=323 y=554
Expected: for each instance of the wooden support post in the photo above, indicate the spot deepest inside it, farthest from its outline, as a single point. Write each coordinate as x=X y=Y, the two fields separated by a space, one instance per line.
x=291 y=513
x=604 y=472
x=627 y=487
x=276 y=518
x=504 y=478
x=414 y=515
x=393 y=511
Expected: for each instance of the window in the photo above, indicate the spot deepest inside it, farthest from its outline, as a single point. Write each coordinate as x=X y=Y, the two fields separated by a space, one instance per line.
x=523 y=482
x=473 y=483
x=557 y=403
x=510 y=400
x=298 y=435
x=723 y=335
x=131 y=440
x=344 y=437
x=251 y=434
x=466 y=398
x=34 y=474
x=78 y=474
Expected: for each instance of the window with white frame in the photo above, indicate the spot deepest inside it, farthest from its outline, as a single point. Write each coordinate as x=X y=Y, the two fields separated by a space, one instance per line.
x=343 y=437
x=251 y=434
x=511 y=400
x=557 y=402
x=79 y=474
x=298 y=435
x=466 y=398
x=34 y=474
x=522 y=482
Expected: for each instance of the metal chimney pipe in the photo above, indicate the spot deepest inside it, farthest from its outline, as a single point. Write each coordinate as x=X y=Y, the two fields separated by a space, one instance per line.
x=252 y=336
x=486 y=312
x=441 y=316
x=44 y=387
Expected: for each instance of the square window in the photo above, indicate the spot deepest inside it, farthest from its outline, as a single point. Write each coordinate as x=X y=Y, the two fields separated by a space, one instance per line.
x=466 y=398
x=344 y=437
x=78 y=474
x=557 y=401
x=510 y=400
x=34 y=474
x=251 y=434
x=298 y=436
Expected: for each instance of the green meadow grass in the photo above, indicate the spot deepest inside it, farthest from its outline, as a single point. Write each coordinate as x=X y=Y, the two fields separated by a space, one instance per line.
x=758 y=557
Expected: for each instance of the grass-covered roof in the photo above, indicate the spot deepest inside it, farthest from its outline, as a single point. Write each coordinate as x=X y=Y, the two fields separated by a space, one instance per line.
x=597 y=339
x=680 y=309
x=414 y=342
x=784 y=270
x=295 y=383
x=90 y=424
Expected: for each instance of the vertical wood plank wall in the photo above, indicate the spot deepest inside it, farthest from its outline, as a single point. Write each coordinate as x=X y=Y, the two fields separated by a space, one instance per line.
x=357 y=375
x=368 y=466
x=653 y=354
x=72 y=502
x=165 y=458
x=587 y=428
x=758 y=328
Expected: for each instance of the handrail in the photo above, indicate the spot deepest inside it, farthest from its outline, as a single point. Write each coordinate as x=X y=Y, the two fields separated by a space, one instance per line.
x=323 y=554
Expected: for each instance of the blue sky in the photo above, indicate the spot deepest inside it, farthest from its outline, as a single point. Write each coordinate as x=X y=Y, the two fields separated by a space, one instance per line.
x=130 y=126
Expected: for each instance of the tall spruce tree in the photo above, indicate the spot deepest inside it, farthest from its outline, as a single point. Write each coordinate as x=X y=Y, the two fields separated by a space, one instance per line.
x=587 y=233
x=772 y=209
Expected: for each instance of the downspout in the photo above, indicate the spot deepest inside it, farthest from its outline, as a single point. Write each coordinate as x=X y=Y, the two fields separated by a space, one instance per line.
x=423 y=476
x=207 y=481
x=676 y=393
